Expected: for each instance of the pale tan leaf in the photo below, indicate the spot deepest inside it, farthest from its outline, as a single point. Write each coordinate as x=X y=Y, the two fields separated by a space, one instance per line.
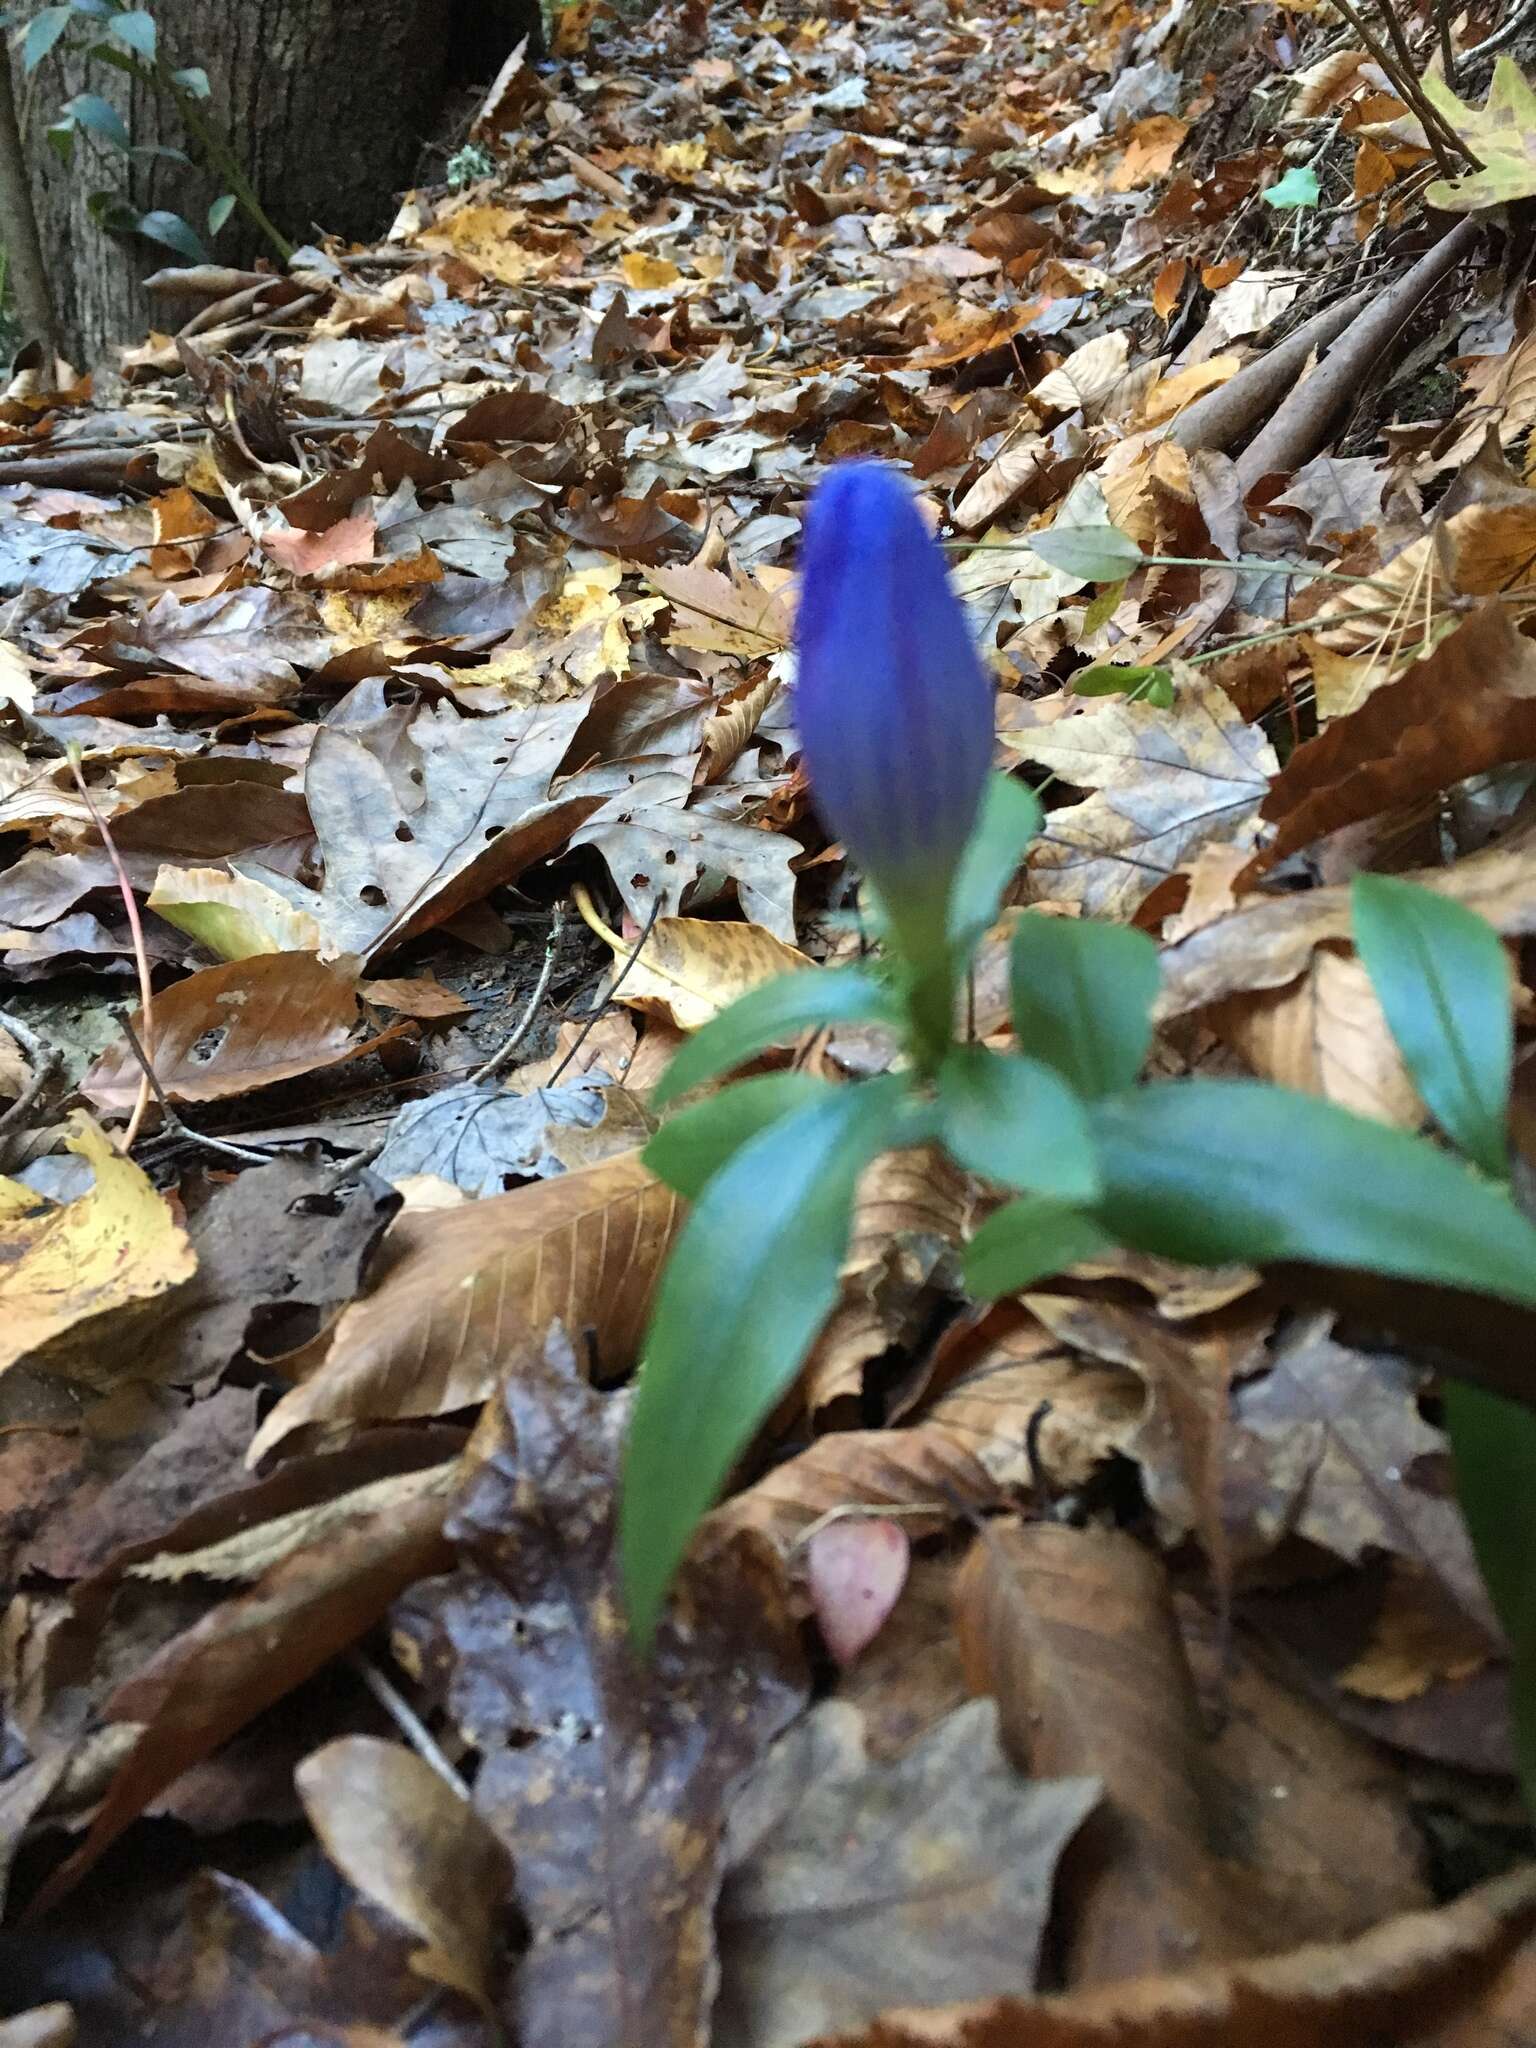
x=1326 y=1035
x=463 y=1294
x=232 y=915
x=415 y=1846
x=692 y=968
x=732 y=724
x=1004 y=480
x=1087 y=377
x=717 y=613
x=1165 y=783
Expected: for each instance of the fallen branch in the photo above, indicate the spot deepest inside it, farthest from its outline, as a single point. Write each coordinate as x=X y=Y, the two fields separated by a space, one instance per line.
x=1300 y=427
x=1224 y=415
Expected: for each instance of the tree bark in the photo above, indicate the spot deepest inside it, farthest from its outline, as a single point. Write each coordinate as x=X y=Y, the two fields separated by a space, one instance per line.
x=327 y=103
x=28 y=274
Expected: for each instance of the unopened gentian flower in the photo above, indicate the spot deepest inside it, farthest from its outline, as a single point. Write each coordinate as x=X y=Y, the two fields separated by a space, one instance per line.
x=893 y=704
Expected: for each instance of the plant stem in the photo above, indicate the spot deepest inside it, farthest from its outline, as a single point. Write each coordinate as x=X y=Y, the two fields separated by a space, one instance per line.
x=220 y=152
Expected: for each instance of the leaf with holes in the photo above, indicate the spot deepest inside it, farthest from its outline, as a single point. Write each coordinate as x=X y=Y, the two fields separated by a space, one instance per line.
x=236 y=1027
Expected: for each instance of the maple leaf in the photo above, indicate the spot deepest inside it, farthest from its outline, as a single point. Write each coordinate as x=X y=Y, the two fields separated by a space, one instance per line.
x=1502 y=132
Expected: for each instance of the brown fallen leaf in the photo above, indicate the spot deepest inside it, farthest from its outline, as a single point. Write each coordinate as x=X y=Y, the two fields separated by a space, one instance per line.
x=910 y=1216
x=607 y=1779
x=692 y=968
x=253 y=1648
x=1325 y=1034
x=226 y=1030
x=718 y=613
x=416 y=1846
x=926 y=1468
x=411 y=836
x=1073 y=1632
x=71 y=1271
x=876 y=1846
x=1268 y=941
x=1468 y=706
x=462 y=1292
x=1164 y=783
x=1188 y=1370
x=1411 y=1974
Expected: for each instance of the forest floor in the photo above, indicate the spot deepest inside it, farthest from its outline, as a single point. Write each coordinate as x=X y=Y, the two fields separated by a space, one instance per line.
x=395 y=760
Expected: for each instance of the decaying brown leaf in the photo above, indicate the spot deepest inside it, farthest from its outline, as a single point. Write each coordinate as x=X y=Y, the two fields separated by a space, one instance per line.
x=875 y=1845
x=1468 y=706
x=691 y=968
x=606 y=1779
x=243 y=1025
x=462 y=1292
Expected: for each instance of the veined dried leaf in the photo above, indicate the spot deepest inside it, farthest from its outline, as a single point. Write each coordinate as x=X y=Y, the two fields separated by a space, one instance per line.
x=717 y=613
x=1004 y=480
x=1324 y=84
x=64 y=1267
x=1166 y=782
x=1087 y=377
x=691 y=968
x=1170 y=395
x=1325 y=1034
x=463 y=1293
x=926 y=1468
x=232 y=915
x=243 y=1025
x=732 y=724
x=1469 y=706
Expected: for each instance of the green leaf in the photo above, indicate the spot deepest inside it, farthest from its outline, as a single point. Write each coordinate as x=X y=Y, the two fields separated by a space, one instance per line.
x=1299 y=187
x=220 y=211
x=61 y=140
x=1112 y=679
x=1493 y=1444
x=1028 y=1241
x=42 y=32
x=1099 y=554
x=1441 y=976
x=175 y=233
x=691 y=1147
x=1217 y=1172
x=136 y=30
x=1082 y=998
x=1499 y=132
x=90 y=110
x=1011 y=815
x=750 y=1281
x=770 y=1015
x=1017 y=1121
x=193 y=79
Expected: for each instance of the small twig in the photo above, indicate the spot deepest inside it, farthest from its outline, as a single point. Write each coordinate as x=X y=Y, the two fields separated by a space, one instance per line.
x=1447 y=46
x=584 y=905
x=1503 y=36
x=407 y=1720
x=175 y=1126
x=45 y=1060
x=501 y=1059
x=140 y=955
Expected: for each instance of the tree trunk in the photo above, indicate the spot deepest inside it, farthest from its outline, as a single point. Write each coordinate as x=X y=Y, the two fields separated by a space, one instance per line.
x=327 y=103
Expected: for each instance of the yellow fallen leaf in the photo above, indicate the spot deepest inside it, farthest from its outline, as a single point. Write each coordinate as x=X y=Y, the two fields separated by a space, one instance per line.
x=492 y=240
x=691 y=968
x=66 y=1267
x=232 y=915
x=644 y=273
x=678 y=159
x=1170 y=395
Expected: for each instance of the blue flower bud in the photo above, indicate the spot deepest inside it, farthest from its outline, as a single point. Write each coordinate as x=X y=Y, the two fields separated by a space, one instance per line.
x=892 y=702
